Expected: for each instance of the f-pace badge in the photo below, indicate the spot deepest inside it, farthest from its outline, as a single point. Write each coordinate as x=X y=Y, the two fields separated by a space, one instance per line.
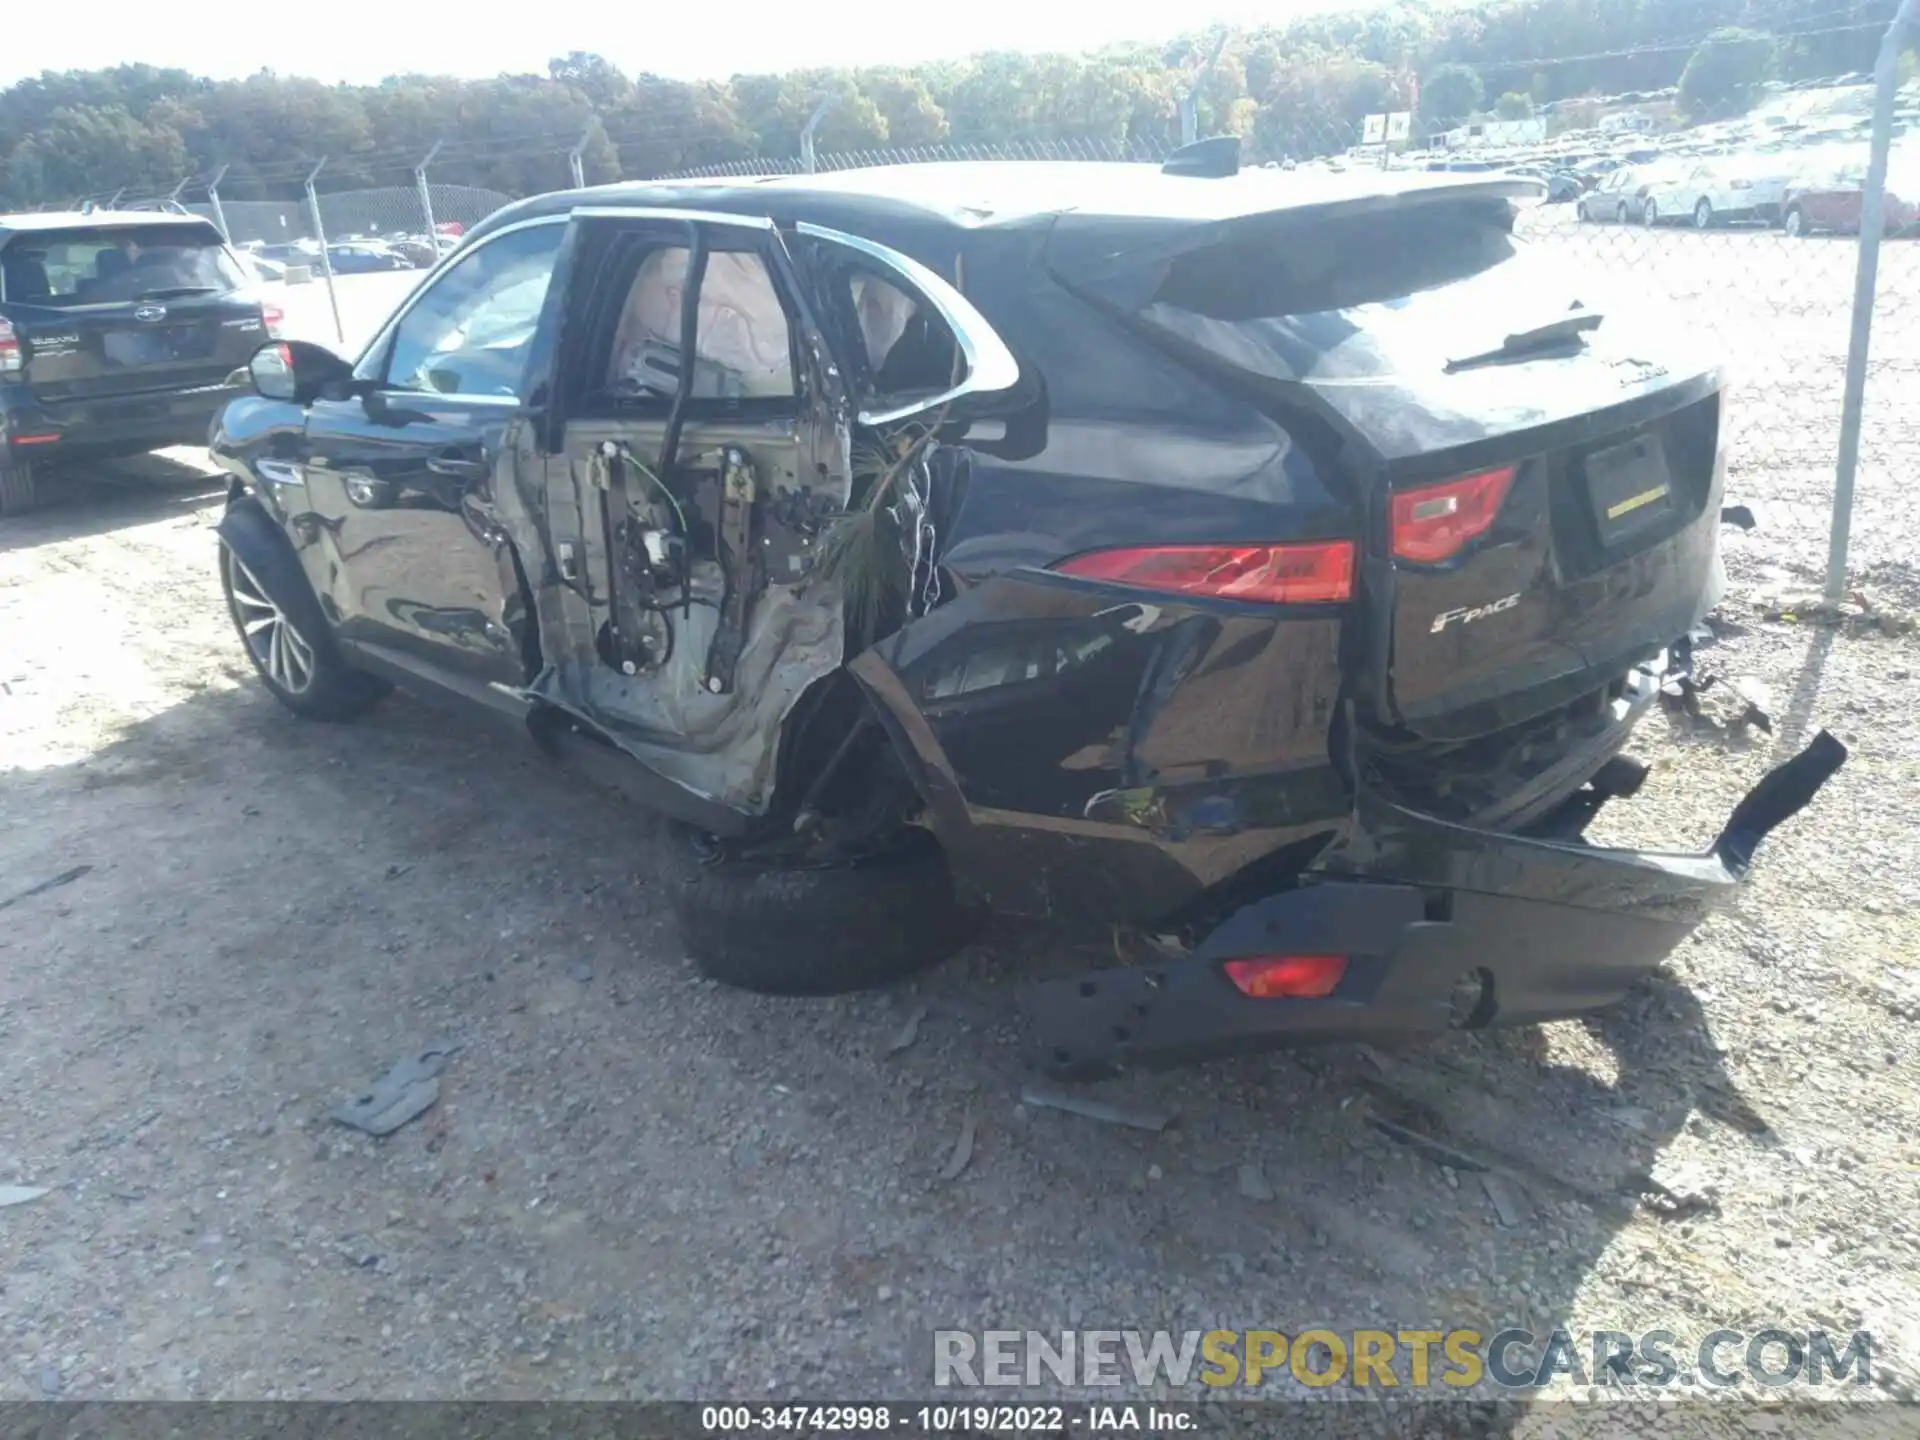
x=150 y=313
x=1467 y=614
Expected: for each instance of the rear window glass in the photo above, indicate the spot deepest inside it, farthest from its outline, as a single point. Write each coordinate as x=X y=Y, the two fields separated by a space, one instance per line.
x=115 y=264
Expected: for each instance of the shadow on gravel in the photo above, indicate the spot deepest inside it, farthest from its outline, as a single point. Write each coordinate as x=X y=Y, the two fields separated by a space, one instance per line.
x=88 y=498
x=1474 y=1182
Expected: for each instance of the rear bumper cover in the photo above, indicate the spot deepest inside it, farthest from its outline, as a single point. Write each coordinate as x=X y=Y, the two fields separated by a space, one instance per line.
x=142 y=420
x=1547 y=929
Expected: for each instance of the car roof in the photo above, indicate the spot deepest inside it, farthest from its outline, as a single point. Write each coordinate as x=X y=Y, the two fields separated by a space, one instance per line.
x=1001 y=194
x=87 y=219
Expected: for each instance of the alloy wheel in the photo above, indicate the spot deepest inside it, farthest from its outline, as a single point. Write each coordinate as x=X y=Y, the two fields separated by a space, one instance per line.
x=280 y=651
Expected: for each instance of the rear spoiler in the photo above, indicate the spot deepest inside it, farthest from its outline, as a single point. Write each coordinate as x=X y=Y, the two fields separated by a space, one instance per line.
x=1120 y=260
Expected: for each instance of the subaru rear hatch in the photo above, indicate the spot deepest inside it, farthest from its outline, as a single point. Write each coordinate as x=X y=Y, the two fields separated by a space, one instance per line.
x=1539 y=473
x=101 y=310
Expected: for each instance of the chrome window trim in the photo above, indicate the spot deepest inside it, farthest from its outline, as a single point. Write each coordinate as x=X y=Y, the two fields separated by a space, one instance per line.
x=990 y=365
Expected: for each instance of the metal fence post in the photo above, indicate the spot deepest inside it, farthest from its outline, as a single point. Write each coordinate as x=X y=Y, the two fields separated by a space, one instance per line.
x=213 y=199
x=1873 y=220
x=326 y=262
x=808 y=161
x=426 y=199
x=575 y=157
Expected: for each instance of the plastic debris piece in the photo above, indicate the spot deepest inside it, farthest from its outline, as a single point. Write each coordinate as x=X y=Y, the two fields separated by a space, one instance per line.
x=1139 y=1117
x=962 y=1151
x=20 y=1194
x=909 y=1032
x=1253 y=1183
x=405 y=1092
x=1509 y=1204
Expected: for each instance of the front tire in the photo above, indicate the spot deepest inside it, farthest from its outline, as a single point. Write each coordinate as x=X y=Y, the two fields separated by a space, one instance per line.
x=1796 y=222
x=1620 y=213
x=18 y=488
x=295 y=661
x=810 y=932
x=1702 y=214
x=1650 y=216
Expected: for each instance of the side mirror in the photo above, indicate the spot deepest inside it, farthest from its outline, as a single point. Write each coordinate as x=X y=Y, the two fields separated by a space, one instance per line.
x=296 y=371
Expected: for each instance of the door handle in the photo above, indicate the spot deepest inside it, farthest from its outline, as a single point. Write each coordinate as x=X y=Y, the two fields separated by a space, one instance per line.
x=457 y=465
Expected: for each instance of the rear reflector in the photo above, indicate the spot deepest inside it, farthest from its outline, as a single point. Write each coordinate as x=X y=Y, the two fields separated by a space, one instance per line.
x=1317 y=574
x=35 y=439
x=10 y=357
x=1433 y=523
x=1274 y=977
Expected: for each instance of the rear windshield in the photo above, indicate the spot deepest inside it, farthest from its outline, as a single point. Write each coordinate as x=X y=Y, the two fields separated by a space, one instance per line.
x=105 y=265
x=1356 y=296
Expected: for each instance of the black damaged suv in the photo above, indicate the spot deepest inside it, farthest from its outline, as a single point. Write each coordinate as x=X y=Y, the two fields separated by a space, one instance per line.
x=1273 y=564
x=118 y=334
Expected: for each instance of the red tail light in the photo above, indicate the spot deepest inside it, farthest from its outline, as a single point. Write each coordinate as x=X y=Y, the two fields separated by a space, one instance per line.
x=1435 y=521
x=1316 y=574
x=275 y=318
x=1274 y=977
x=10 y=357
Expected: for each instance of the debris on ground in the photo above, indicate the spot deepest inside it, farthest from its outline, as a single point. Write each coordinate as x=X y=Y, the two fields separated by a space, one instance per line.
x=1509 y=1203
x=405 y=1092
x=20 y=1194
x=1050 y=1097
x=581 y=970
x=1253 y=1183
x=65 y=877
x=908 y=1032
x=962 y=1151
x=1435 y=1151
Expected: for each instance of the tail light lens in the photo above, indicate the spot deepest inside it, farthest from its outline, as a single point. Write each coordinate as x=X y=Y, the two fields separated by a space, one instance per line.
x=11 y=360
x=1316 y=574
x=1434 y=522
x=1275 y=977
x=276 y=320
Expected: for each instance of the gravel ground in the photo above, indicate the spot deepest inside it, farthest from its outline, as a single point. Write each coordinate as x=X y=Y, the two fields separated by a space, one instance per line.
x=638 y=1185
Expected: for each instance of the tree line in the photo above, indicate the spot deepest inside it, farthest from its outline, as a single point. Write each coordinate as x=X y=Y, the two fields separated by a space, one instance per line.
x=1297 y=89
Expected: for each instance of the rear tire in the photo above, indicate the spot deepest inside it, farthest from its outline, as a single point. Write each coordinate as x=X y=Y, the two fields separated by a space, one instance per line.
x=813 y=932
x=1795 y=223
x=1702 y=214
x=1620 y=213
x=1650 y=216
x=18 y=491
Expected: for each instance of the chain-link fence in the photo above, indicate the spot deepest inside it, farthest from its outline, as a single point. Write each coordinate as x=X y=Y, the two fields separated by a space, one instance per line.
x=1732 y=223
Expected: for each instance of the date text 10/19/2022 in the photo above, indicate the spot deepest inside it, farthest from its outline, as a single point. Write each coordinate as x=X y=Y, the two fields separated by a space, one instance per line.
x=947 y=1419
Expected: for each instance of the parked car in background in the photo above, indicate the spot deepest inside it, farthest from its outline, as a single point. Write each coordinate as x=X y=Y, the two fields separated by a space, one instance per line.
x=1617 y=199
x=1721 y=190
x=267 y=271
x=119 y=333
x=359 y=257
x=1298 y=637
x=1832 y=199
x=416 y=250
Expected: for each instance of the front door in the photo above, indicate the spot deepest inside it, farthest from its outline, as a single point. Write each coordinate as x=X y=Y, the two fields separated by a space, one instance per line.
x=401 y=481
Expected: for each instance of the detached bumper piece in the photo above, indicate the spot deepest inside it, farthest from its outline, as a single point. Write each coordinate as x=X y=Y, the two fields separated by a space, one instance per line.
x=1407 y=923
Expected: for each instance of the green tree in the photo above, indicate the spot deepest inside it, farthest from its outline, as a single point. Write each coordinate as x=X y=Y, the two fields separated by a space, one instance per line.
x=1724 y=76
x=1514 y=105
x=1449 y=95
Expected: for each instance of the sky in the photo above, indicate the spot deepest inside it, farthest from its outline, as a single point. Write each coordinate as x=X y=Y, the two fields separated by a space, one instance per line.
x=359 y=42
